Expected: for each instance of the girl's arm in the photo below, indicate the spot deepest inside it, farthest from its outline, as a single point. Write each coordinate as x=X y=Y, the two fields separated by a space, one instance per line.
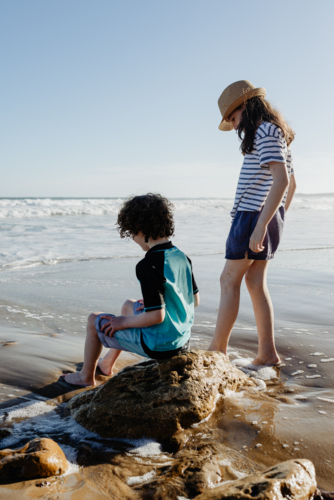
x=280 y=183
x=291 y=191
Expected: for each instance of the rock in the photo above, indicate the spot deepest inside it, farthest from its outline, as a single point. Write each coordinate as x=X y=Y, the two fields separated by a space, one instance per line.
x=39 y=458
x=195 y=469
x=293 y=480
x=156 y=399
x=4 y=433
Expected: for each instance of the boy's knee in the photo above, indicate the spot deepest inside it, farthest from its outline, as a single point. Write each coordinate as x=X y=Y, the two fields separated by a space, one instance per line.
x=127 y=307
x=91 y=319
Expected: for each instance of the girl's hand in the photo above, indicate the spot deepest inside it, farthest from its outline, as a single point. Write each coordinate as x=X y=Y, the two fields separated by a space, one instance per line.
x=141 y=307
x=257 y=237
x=115 y=323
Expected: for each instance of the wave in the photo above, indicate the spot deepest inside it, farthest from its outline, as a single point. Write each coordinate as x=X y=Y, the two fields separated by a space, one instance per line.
x=52 y=207
x=26 y=263
x=61 y=207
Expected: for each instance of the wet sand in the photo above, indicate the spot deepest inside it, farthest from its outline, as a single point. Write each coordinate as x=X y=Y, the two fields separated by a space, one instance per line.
x=292 y=418
x=32 y=363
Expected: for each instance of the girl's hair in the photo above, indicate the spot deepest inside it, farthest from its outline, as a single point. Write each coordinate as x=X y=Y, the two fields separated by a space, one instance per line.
x=258 y=110
x=150 y=214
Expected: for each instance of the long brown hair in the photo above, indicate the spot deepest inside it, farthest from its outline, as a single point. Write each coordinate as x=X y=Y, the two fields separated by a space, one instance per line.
x=258 y=110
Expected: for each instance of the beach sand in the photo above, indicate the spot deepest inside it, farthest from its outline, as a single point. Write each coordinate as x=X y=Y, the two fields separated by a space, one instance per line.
x=42 y=325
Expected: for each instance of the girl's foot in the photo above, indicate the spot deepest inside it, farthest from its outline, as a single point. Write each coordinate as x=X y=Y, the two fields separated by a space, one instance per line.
x=77 y=379
x=266 y=361
x=105 y=367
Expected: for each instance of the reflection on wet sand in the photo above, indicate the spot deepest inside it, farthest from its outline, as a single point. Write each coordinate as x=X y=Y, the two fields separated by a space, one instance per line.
x=291 y=418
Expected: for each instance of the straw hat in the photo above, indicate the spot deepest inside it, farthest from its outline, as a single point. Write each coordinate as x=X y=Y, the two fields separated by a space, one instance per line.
x=233 y=96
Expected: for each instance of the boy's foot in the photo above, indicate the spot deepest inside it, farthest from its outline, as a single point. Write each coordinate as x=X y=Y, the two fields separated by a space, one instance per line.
x=104 y=367
x=76 y=379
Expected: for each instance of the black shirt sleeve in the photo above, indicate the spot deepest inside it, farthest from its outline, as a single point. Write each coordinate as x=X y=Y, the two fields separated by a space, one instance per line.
x=195 y=287
x=151 y=282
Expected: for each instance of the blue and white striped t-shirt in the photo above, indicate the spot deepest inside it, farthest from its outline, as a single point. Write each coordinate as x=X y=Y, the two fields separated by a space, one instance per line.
x=255 y=178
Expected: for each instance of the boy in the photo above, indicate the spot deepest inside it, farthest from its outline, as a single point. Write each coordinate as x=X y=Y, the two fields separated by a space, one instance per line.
x=158 y=326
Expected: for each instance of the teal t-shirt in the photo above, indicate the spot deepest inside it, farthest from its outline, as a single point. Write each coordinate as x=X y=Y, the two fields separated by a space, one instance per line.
x=167 y=281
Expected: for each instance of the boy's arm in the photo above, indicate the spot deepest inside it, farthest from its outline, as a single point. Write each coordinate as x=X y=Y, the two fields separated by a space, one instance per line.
x=142 y=320
x=291 y=191
x=196 y=299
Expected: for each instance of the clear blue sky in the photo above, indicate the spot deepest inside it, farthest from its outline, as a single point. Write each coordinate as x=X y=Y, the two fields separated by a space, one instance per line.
x=110 y=98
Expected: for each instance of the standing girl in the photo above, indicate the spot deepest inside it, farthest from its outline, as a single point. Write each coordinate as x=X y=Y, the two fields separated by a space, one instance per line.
x=265 y=189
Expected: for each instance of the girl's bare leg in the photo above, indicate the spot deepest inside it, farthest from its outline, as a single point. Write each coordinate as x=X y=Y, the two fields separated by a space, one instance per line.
x=256 y=281
x=230 y=282
x=106 y=364
x=93 y=348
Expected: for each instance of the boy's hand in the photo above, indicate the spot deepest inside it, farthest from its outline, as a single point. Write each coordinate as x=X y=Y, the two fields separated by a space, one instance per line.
x=257 y=237
x=141 y=307
x=115 y=323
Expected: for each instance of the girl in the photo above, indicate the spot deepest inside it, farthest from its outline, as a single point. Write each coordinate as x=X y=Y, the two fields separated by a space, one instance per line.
x=265 y=189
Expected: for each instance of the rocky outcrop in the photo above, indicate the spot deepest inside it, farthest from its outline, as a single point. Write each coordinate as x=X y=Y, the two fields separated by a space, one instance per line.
x=39 y=458
x=292 y=480
x=4 y=433
x=196 y=469
x=156 y=399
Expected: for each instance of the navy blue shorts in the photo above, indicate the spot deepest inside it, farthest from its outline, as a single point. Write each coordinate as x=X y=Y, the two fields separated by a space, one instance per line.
x=243 y=225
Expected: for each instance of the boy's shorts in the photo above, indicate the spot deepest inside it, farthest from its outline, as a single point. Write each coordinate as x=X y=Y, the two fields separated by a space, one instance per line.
x=243 y=225
x=124 y=340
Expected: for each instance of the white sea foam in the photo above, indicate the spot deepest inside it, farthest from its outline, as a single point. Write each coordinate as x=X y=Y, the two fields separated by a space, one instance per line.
x=71 y=456
x=26 y=410
x=144 y=447
x=256 y=372
x=39 y=421
x=48 y=207
x=131 y=481
x=33 y=231
x=298 y=372
x=51 y=207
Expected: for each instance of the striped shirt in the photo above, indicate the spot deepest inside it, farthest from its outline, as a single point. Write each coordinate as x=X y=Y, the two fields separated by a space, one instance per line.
x=255 y=178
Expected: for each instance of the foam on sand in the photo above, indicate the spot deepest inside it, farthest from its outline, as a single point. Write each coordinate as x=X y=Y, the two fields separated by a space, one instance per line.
x=144 y=447
x=26 y=410
x=131 y=481
x=260 y=372
x=327 y=400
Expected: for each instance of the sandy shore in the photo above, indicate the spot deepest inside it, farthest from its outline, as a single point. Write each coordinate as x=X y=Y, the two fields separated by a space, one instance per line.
x=293 y=418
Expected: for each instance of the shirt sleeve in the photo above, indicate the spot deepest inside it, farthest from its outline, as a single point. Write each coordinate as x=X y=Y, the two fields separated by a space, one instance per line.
x=271 y=145
x=289 y=163
x=195 y=287
x=151 y=282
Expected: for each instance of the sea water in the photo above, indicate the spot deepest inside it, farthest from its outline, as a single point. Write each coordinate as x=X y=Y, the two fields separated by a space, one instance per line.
x=50 y=231
x=62 y=258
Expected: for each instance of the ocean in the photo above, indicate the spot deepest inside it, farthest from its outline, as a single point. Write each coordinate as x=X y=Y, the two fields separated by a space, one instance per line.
x=62 y=258
x=53 y=231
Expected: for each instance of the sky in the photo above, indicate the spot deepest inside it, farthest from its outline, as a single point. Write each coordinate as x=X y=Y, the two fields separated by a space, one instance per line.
x=118 y=97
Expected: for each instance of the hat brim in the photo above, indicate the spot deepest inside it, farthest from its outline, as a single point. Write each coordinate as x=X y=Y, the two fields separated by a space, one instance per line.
x=227 y=126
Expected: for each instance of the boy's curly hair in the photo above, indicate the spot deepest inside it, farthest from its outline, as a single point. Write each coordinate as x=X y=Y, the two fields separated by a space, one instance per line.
x=150 y=214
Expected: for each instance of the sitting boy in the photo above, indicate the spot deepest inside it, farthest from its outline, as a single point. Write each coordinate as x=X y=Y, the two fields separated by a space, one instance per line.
x=158 y=326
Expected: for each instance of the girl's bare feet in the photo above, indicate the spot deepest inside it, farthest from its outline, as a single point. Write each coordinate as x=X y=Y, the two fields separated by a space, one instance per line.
x=266 y=361
x=105 y=367
x=78 y=379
